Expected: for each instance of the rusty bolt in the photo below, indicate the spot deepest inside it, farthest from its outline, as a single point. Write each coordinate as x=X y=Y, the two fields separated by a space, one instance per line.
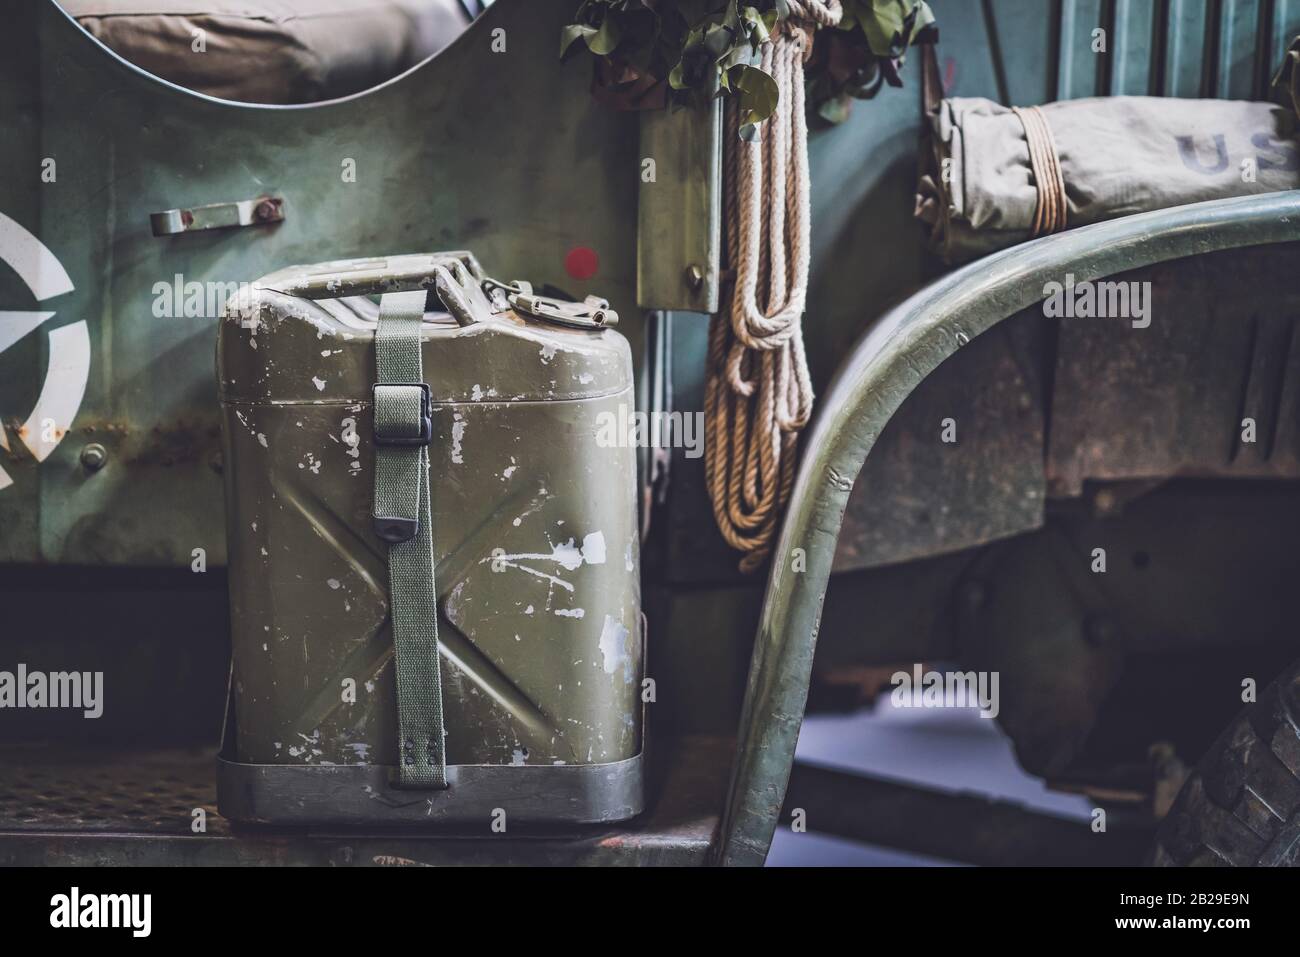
x=1105 y=502
x=267 y=210
x=94 y=457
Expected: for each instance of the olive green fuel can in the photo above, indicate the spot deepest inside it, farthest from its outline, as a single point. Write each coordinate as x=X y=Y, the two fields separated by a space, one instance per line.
x=533 y=499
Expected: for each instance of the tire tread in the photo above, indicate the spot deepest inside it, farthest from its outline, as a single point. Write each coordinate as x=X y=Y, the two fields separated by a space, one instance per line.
x=1241 y=806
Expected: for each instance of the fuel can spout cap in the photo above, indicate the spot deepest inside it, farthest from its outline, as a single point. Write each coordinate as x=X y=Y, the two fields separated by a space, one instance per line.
x=592 y=313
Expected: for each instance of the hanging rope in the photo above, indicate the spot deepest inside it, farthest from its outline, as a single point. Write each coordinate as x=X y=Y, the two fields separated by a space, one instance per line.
x=758 y=395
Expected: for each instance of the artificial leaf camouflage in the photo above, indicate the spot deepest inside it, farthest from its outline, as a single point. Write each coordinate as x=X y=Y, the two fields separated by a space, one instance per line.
x=865 y=52
x=652 y=51
x=636 y=44
x=726 y=45
x=889 y=26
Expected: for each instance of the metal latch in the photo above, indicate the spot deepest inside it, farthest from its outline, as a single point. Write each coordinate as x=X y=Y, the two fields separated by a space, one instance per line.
x=592 y=313
x=499 y=292
x=246 y=212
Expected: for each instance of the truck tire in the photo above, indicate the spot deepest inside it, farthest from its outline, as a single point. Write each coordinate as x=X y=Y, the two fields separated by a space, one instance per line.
x=1241 y=807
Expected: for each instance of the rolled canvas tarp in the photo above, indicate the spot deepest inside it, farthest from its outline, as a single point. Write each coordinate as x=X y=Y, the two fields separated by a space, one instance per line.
x=1117 y=155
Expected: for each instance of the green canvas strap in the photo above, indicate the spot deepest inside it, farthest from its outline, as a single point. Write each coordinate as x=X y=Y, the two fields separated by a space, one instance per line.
x=402 y=518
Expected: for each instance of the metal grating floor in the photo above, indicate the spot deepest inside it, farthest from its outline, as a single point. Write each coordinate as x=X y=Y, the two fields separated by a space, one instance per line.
x=116 y=807
x=153 y=792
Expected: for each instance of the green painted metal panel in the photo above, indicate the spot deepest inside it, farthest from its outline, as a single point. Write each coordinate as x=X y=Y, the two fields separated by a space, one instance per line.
x=679 y=213
x=446 y=156
x=1283 y=27
x=1017 y=33
x=1185 y=48
x=968 y=67
x=1237 y=76
x=128 y=145
x=1133 y=47
x=1079 y=71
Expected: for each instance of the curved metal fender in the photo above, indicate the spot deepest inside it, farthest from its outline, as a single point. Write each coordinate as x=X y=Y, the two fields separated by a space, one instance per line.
x=885 y=366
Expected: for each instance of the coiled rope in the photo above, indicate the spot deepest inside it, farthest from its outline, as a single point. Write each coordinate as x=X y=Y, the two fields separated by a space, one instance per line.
x=758 y=394
x=1052 y=210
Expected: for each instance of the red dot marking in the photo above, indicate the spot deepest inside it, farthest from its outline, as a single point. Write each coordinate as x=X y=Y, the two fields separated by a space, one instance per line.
x=581 y=263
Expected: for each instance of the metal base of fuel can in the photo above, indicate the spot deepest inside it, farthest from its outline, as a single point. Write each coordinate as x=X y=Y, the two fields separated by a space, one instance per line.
x=364 y=795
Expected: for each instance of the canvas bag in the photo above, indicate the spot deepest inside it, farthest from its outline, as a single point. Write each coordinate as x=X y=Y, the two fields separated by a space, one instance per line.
x=1118 y=155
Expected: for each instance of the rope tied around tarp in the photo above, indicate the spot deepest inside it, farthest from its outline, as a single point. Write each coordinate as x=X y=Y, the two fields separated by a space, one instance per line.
x=759 y=395
x=1053 y=207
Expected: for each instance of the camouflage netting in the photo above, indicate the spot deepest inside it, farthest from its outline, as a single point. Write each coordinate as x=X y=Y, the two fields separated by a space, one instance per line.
x=1118 y=155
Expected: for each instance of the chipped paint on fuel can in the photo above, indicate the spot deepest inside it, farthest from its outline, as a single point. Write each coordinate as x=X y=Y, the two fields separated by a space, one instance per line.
x=535 y=532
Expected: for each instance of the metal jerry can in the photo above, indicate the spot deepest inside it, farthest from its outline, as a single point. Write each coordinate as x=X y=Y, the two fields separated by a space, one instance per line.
x=352 y=701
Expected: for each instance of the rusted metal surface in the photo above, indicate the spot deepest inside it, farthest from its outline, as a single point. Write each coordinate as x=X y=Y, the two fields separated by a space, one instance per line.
x=1128 y=405
x=961 y=464
x=1172 y=399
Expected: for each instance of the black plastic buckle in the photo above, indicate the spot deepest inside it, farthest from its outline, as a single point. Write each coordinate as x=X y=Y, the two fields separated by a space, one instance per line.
x=426 y=415
x=396 y=530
